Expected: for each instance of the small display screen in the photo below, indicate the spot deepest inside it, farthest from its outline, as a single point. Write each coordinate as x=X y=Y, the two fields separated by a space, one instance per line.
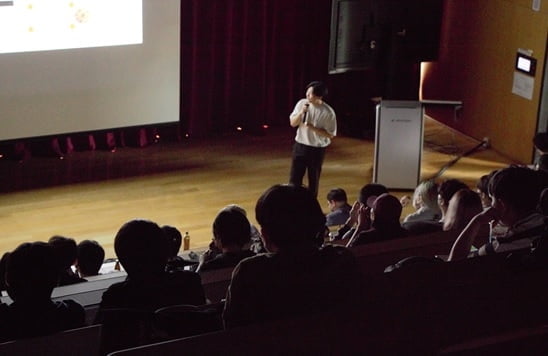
x=526 y=64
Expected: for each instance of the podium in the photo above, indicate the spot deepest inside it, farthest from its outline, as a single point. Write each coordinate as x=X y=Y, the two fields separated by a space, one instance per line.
x=399 y=136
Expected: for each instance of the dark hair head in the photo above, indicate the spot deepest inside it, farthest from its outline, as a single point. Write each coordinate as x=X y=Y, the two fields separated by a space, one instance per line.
x=90 y=257
x=540 y=140
x=369 y=190
x=337 y=194
x=386 y=209
x=174 y=239
x=32 y=271
x=449 y=187
x=231 y=228
x=141 y=247
x=65 y=248
x=318 y=88
x=290 y=215
x=518 y=187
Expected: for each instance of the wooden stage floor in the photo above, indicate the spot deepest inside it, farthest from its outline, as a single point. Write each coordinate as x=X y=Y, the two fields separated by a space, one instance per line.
x=89 y=195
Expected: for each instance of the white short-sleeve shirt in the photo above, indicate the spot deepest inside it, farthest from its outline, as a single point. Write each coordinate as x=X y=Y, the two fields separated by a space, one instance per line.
x=320 y=116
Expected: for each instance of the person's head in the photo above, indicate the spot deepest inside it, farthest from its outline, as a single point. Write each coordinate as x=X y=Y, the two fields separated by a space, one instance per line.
x=463 y=206
x=289 y=216
x=141 y=248
x=66 y=250
x=515 y=192
x=174 y=239
x=371 y=190
x=386 y=211
x=32 y=271
x=335 y=198
x=482 y=188
x=90 y=258
x=445 y=192
x=316 y=91
x=426 y=195
x=3 y=262
x=231 y=229
x=540 y=141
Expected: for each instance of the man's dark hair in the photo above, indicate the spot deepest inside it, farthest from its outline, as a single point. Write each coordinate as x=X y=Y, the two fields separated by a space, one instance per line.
x=32 y=271
x=369 y=190
x=174 y=239
x=66 y=250
x=290 y=215
x=519 y=187
x=540 y=140
x=483 y=182
x=337 y=194
x=90 y=257
x=449 y=187
x=318 y=88
x=232 y=228
x=141 y=247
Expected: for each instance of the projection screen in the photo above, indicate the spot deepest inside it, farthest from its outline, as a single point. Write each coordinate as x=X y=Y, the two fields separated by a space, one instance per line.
x=87 y=65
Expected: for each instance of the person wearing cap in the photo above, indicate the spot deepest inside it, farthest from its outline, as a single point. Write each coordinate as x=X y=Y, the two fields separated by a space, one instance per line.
x=385 y=221
x=316 y=126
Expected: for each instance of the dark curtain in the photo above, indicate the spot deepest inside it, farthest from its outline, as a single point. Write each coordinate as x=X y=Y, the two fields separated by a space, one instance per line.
x=246 y=62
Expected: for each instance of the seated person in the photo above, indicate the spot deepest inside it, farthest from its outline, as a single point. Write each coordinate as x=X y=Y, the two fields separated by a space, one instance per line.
x=295 y=277
x=3 y=270
x=482 y=188
x=425 y=202
x=231 y=232
x=90 y=258
x=445 y=192
x=515 y=192
x=174 y=240
x=385 y=221
x=31 y=274
x=540 y=142
x=368 y=191
x=463 y=206
x=67 y=253
x=339 y=209
x=142 y=249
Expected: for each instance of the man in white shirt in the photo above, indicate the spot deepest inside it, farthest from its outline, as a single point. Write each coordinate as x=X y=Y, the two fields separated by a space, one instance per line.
x=316 y=125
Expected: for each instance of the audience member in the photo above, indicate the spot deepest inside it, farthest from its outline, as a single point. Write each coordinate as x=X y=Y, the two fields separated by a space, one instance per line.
x=174 y=241
x=482 y=188
x=445 y=191
x=368 y=192
x=463 y=206
x=90 y=258
x=256 y=242
x=385 y=221
x=295 y=277
x=425 y=202
x=515 y=192
x=231 y=232
x=3 y=271
x=142 y=249
x=339 y=209
x=32 y=272
x=540 y=141
x=67 y=253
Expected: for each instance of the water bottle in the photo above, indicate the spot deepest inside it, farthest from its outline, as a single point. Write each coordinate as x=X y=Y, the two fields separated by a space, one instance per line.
x=186 y=241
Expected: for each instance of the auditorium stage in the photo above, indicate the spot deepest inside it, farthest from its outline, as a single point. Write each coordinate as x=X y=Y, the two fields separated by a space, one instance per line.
x=90 y=194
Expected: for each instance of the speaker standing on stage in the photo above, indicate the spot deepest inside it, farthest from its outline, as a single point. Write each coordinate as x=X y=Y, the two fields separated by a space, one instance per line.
x=317 y=125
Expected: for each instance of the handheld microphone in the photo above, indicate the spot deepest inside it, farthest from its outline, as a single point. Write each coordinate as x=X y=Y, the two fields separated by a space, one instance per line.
x=306 y=112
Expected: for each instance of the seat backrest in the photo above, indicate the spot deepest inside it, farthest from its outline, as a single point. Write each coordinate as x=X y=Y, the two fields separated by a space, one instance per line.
x=82 y=341
x=124 y=328
x=188 y=320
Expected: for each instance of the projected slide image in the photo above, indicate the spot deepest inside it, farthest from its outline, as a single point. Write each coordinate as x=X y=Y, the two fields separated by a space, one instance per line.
x=44 y=25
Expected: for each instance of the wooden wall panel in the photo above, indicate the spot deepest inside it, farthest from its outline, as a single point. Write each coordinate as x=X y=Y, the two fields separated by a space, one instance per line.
x=478 y=46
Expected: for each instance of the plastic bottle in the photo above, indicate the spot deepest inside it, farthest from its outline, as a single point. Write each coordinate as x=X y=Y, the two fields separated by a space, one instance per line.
x=186 y=241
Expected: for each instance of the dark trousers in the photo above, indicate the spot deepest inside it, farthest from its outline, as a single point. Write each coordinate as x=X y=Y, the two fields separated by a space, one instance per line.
x=307 y=158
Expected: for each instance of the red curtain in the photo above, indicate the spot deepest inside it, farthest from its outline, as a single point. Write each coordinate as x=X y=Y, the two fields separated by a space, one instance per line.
x=246 y=62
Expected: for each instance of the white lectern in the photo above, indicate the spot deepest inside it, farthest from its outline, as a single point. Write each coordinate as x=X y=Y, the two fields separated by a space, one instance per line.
x=398 y=144
x=399 y=138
